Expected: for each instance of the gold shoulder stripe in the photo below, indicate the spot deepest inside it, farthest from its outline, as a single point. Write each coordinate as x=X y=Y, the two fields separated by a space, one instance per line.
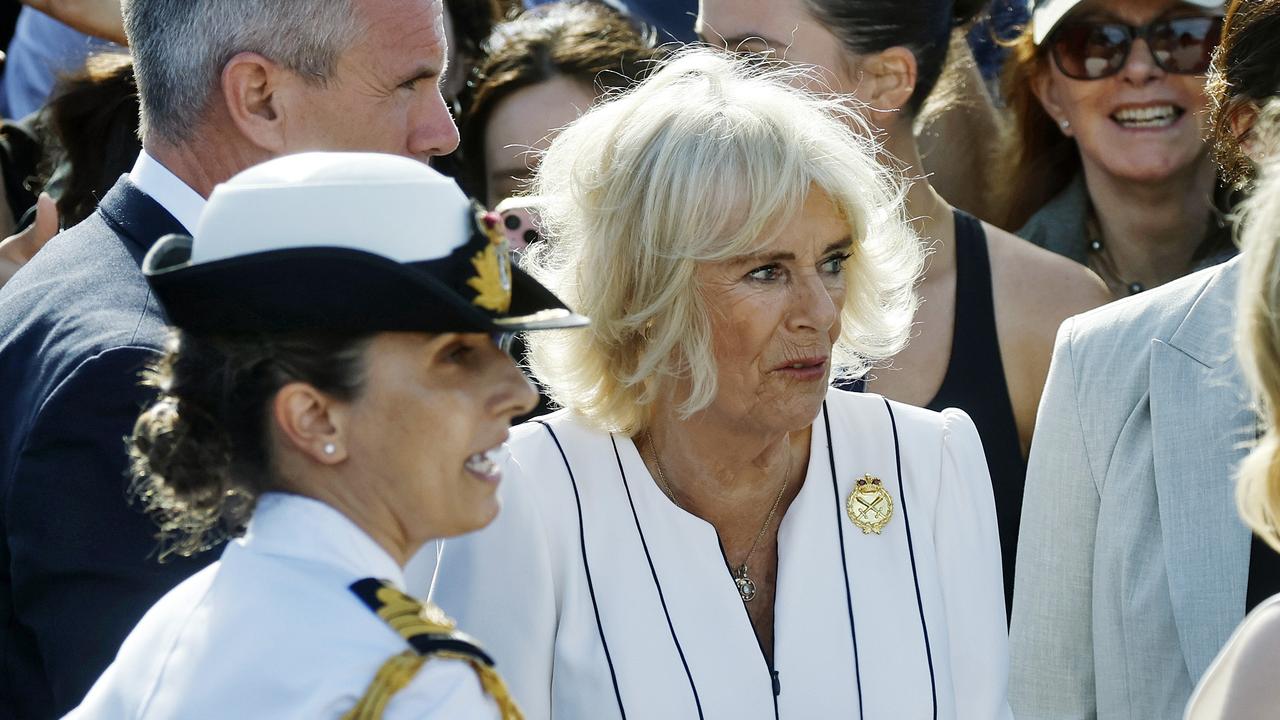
x=411 y=618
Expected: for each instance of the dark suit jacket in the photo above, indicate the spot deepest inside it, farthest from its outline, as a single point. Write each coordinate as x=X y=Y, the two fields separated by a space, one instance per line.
x=78 y=562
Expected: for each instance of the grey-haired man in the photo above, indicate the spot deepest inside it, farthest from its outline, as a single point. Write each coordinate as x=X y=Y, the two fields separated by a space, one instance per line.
x=224 y=84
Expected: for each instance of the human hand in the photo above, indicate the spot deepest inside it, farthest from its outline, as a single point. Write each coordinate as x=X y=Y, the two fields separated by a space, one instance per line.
x=17 y=250
x=100 y=18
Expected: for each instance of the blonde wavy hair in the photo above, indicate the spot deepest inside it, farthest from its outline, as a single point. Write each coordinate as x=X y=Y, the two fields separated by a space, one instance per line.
x=1258 y=493
x=703 y=162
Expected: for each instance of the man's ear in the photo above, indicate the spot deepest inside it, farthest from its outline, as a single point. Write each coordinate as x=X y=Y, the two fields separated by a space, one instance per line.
x=1045 y=91
x=310 y=422
x=889 y=78
x=251 y=91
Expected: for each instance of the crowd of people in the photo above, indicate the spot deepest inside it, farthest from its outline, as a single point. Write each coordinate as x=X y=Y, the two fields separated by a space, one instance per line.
x=640 y=358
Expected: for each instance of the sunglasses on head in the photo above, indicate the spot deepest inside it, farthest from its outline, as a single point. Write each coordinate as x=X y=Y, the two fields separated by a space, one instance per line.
x=1094 y=50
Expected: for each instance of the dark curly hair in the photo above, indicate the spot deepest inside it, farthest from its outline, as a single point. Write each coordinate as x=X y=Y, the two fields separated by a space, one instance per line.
x=1245 y=71
x=201 y=452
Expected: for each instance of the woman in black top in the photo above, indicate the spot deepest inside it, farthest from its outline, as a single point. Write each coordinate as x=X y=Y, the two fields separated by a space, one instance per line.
x=992 y=303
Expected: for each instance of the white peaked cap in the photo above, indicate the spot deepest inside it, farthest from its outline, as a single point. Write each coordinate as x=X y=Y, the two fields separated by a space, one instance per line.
x=346 y=243
x=388 y=205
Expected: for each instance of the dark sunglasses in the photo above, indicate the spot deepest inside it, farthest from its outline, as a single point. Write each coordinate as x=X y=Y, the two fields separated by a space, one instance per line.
x=1095 y=50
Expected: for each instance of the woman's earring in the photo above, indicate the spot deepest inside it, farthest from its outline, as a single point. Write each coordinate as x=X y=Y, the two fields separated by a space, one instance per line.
x=1064 y=124
x=330 y=448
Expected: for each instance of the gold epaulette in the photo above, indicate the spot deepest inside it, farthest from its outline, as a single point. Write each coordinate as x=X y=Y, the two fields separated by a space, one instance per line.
x=430 y=633
x=391 y=679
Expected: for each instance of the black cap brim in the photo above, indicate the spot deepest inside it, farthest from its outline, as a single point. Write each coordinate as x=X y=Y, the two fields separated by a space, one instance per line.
x=332 y=289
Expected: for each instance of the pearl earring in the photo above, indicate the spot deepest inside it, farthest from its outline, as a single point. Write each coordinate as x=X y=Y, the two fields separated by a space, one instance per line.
x=1065 y=124
x=330 y=448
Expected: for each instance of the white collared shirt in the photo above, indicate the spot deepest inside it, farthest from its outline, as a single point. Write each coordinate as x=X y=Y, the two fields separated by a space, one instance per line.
x=174 y=195
x=271 y=630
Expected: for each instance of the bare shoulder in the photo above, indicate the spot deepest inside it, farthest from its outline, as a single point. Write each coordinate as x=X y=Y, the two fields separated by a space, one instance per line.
x=1045 y=287
x=1035 y=290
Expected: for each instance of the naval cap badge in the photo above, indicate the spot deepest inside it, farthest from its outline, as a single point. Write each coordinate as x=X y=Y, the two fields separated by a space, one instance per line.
x=869 y=506
x=492 y=281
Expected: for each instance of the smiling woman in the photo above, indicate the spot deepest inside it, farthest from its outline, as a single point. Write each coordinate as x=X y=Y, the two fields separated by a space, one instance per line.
x=708 y=529
x=1111 y=167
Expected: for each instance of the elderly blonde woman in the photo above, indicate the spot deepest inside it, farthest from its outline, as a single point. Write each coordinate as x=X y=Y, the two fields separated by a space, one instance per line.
x=707 y=529
x=1241 y=682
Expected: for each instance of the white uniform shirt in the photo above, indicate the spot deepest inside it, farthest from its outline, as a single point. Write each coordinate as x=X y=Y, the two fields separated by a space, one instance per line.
x=599 y=598
x=272 y=631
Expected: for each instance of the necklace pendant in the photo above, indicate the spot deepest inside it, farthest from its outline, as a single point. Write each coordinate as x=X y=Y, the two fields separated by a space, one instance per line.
x=746 y=586
x=869 y=506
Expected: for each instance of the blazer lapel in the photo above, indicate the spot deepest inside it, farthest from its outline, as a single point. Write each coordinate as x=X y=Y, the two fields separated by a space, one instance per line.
x=1201 y=427
x=139 y=219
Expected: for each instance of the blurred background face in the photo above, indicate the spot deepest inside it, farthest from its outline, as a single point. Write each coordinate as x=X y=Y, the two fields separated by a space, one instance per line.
x=424 y=432
x=786 y=30
x=1141 y=124
x=522 y=125
x=775 y=316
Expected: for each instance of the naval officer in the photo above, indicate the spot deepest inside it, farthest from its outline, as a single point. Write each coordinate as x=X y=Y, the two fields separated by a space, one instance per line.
x=332 y=311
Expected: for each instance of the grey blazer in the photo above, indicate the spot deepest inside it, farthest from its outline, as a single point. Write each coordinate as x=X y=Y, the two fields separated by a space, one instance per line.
x=1132 y=563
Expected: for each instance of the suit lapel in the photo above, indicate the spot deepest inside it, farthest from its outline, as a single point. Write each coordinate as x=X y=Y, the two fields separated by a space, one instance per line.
x=139 y=219
x=1201 y=427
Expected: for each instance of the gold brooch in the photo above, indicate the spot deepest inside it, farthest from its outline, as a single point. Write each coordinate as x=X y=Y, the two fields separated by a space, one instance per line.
x=869 y=506
x=492 y=281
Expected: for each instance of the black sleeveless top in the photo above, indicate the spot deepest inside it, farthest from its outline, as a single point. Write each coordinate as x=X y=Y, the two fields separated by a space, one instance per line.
x=975 y=383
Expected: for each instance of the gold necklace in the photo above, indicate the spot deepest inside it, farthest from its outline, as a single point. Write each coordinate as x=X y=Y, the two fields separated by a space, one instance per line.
x=741 y=578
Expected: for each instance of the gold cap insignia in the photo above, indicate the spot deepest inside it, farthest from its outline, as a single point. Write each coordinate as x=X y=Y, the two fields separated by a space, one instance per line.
x=492 y=281
x=869 y=506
